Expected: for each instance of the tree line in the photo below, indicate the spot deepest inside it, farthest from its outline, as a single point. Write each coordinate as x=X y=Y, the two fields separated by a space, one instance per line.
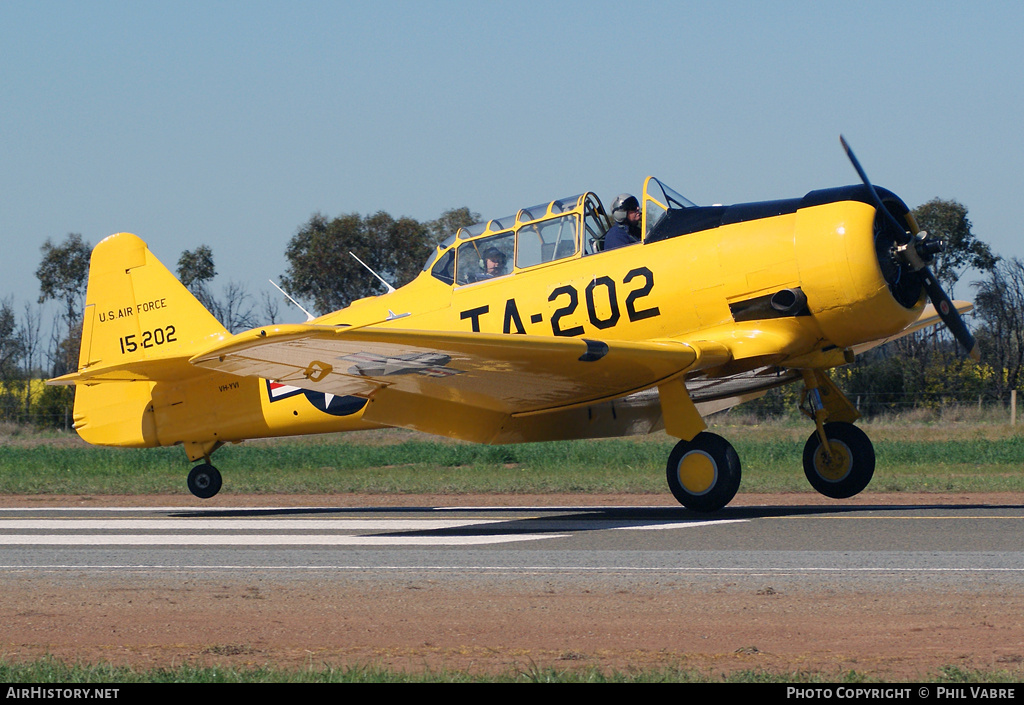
x=324 y=274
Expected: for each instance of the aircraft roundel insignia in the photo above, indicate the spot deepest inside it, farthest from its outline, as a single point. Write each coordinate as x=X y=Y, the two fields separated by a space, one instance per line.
x=944 y=306
x=328 y=403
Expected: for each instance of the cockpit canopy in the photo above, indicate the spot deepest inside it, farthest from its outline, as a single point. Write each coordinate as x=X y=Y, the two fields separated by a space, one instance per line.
x=539 y=235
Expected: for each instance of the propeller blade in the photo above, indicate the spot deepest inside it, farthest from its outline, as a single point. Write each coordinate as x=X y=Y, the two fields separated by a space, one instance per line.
x=947 y=312
x=897 y=228
x=949 y=315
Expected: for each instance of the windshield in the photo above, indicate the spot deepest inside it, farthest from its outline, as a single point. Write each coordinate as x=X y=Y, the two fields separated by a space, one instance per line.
x=668 y=196
x=448 y=242
x=658 y=200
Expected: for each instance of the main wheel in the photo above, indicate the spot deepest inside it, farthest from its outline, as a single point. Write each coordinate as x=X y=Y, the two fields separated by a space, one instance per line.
x=704 y=474
x=204 y=481
x=847 y=469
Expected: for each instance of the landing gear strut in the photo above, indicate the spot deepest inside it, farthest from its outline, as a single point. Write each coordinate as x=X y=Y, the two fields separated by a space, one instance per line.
x=704 y=474
x=204 y=481
x=839 y=459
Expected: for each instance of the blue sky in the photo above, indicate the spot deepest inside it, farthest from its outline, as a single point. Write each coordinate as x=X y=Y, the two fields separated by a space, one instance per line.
x=230 y=123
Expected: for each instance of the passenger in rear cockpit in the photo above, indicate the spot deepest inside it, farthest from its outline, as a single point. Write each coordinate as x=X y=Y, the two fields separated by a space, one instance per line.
x=494 y=263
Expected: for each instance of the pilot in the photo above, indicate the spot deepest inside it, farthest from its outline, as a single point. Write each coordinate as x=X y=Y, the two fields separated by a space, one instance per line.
x=494 y=263
x=626 y=231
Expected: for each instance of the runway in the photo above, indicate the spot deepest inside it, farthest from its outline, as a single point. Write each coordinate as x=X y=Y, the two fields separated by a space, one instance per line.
x=947 y=543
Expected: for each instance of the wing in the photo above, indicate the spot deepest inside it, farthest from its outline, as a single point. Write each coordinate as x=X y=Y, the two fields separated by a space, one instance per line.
x=466 y=385
x=512 y=373
x=929 y=317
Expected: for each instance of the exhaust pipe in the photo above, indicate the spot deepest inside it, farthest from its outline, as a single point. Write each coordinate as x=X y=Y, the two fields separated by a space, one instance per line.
x=788 y=302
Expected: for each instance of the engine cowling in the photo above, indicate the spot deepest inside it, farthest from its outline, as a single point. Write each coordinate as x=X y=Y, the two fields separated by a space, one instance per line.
x=855 y=289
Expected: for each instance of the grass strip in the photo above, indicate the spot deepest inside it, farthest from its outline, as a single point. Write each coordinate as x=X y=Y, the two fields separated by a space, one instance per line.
x=50 y=670
x=416 y=464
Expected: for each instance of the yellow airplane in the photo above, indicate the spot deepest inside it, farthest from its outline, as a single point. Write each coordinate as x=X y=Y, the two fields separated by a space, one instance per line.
x=530 y=328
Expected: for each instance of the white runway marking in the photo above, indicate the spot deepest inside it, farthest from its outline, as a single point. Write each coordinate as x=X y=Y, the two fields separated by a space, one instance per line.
x=262 y=540
x=261 y=532
x=304 y=532
x=657 y=526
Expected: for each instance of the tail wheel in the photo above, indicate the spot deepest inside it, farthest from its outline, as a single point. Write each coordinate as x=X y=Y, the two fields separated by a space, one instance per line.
x=704 y=474
x=204 y=481
x=846 y=467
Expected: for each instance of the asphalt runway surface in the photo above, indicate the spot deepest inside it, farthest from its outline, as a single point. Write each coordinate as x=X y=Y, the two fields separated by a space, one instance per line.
x=864 y=543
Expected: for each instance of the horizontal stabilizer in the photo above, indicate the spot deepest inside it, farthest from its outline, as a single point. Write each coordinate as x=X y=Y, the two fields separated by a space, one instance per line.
x=169 y=369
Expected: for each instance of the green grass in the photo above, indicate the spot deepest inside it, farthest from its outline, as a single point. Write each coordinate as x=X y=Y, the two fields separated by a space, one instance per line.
x=946 y=458
x=49 y=670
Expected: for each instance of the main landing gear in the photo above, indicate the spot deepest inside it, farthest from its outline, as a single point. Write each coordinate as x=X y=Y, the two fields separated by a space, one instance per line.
x=842 y=468
x=704 y=474
x=839 y=459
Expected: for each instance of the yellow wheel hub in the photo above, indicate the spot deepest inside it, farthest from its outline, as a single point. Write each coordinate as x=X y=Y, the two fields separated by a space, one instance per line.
x=833 y=463
x=697 y=472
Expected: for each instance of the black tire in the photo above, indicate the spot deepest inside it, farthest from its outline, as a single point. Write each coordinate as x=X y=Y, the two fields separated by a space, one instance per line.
x=704 y=474
x=851 y=466
x=204 y=481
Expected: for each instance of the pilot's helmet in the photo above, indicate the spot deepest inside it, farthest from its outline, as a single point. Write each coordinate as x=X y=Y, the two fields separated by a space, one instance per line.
x=623 y=204
x=493 y=253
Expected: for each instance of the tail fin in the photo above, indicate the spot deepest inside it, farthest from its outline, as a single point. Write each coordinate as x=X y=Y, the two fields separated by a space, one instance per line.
x=140 y=326
x=136 y=311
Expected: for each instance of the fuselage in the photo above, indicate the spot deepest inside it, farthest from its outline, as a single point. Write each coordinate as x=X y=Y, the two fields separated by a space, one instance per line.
x=791 y=284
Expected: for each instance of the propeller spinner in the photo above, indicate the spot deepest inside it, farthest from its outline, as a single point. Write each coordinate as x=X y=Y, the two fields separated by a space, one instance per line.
x=915 y=253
